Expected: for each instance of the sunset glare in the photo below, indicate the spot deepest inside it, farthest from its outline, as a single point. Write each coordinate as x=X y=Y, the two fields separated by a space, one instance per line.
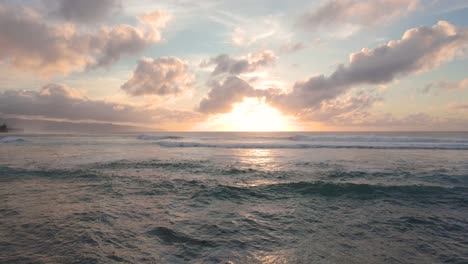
x=253 y=115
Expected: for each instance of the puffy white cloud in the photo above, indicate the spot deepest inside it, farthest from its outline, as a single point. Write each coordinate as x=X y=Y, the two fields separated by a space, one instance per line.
x=356 y=13
x=29 y=42
x=55 y=101
x=84 y=11
x=419 y=49
x=235 y=66
x=163 y=76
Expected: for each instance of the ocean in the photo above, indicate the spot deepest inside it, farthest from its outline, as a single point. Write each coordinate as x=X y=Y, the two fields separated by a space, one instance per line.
x=387 y=197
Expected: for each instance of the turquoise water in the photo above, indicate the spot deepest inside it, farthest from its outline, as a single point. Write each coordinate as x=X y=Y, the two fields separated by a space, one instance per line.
x=234 y=197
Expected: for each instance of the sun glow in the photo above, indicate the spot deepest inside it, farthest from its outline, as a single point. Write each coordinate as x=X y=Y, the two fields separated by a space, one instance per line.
x=251 y=115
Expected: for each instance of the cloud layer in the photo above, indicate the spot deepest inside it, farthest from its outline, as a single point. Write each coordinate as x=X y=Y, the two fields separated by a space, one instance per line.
x=447 y=85
x=223 y=95
x=56 y=101
x=225 y=64
x=323 y=97
x=162 y=77
x=418 y=50
x=356 y=12
x=30 y=43
x=85 y=11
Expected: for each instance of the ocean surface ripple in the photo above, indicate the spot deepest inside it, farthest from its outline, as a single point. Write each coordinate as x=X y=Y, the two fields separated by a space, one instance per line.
x=124 y=199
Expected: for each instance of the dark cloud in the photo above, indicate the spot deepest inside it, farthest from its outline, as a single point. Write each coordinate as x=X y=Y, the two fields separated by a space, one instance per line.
x=235 y=66
x=356 y=12
x=85 y=11
x=56 y=101
x=29 y=42
x=163 y=76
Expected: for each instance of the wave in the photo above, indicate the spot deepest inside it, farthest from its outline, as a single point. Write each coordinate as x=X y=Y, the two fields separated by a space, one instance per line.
x=150 y=137
x=11 y=139
x=371 y=139
x=331 y=189
x=171 y=236
x=185 y=144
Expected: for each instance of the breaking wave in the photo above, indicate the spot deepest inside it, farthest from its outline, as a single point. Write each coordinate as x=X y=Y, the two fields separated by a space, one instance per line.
x=382 y=139
x=150 y=137
x=11 y=140
x=262 y=145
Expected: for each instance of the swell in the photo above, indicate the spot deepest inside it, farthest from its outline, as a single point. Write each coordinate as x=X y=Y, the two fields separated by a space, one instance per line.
x=333 y=190
x=376 y=139
x=184 y=144
x=153 y=164
x=163 y=137
x=8 y=173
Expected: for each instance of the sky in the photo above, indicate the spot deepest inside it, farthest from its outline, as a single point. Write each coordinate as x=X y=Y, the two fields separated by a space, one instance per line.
x=214 y=65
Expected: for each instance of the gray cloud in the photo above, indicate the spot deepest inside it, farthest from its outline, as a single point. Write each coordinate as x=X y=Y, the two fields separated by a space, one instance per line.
x=345 y=107
x=28 y=42
x=56 y=101
x=85 y=11
x=446 y=85
x=223 y=95
x=163 y=76
x=356 y=12
x=419 y=49
x=235 y=66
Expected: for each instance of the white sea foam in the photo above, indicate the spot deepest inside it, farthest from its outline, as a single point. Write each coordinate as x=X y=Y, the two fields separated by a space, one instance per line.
x=163 y=137
x=185 y=144
x=11 y=139
x=371 y=139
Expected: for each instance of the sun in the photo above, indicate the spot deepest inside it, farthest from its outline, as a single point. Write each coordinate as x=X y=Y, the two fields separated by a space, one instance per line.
x=252 y=114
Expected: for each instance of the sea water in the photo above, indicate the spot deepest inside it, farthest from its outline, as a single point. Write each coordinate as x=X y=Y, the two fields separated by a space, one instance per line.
x=234 y=198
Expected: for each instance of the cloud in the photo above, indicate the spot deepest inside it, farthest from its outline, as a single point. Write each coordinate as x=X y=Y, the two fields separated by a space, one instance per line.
x=241 y=37
x=345 y=107
x=235 y=66
x=85 y=11
x=249 y=32
x=356 y=13
x=55 y=101
x=223 y=95
x=459 y=106
x=292 y=47
x=416 y=121
x=163 y=76
x=446 y=85
x=29 y=42
x=322 y=98
x=420 y=49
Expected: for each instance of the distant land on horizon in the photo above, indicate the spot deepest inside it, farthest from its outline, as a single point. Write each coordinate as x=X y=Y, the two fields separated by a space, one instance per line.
x=28 y=125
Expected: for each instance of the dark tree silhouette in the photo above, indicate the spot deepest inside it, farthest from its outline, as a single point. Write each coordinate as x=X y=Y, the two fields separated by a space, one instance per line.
x=3 y=128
